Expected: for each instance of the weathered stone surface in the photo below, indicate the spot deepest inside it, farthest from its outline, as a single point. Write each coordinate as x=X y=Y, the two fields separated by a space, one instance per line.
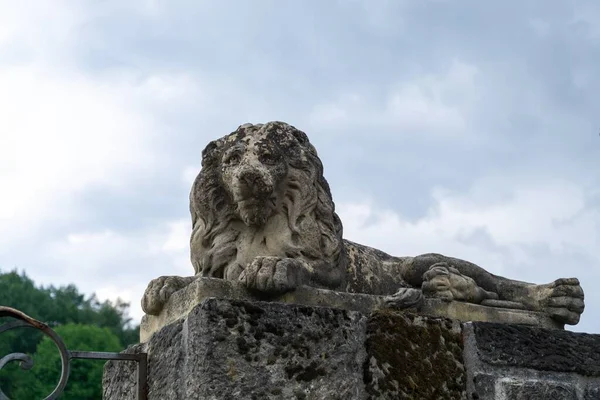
x=532 y=390
x=506 y=362
x=182 y=301
x=480 y=386
x=232 y=349
x=227 y=349
x=414 y=357
x=263 y=215
x=539 y=349
x=521 y=384
x=592 y=392
x=119 y=378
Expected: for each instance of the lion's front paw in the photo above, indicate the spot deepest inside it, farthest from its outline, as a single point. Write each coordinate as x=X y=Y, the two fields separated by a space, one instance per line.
x=445 y=282
x=273 y=275
x=562 y=299
x=159 y=291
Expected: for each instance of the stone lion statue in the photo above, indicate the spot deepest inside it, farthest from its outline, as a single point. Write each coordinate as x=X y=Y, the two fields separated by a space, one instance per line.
x=263 y=215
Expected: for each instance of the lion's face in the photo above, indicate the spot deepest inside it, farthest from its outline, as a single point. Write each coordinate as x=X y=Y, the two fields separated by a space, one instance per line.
x=252 y=171
x=261 y=192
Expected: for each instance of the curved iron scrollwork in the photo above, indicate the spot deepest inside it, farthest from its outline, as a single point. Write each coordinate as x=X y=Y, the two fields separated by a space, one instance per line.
x=23 y=320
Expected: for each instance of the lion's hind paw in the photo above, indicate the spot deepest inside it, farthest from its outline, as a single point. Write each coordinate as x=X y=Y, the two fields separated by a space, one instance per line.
x=562 y=299
x=446 y=282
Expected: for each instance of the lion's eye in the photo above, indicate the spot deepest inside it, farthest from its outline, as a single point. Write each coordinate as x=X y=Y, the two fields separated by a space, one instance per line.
x=234 y=158
x=268 y=158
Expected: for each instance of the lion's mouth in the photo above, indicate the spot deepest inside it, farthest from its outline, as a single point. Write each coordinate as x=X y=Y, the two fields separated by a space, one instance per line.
x=255 y=212
x=250 y=202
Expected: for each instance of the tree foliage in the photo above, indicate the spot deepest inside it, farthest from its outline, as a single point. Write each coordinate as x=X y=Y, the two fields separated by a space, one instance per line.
x=84 y=323
x=85 y=381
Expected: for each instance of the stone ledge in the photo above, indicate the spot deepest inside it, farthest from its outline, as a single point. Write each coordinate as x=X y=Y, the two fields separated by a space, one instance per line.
x=183 y=301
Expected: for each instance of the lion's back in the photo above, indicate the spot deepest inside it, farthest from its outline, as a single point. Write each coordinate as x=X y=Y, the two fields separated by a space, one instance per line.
x=371 y=271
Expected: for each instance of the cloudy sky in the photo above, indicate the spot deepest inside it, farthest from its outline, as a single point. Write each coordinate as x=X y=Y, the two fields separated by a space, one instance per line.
x=468 y=128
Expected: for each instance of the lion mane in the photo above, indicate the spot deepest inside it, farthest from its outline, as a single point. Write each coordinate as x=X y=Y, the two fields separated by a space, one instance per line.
x=303 y=199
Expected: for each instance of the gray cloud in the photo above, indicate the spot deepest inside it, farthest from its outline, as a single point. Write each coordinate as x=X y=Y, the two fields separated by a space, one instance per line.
x=402 y=99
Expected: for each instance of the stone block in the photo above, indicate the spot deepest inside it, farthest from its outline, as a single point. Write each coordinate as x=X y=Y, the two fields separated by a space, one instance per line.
x=538 y=349
x=506 y=362
x=228 y=349
x=414 y=357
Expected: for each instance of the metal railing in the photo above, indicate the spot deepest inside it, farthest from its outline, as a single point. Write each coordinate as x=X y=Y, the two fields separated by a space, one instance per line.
x=23 y=320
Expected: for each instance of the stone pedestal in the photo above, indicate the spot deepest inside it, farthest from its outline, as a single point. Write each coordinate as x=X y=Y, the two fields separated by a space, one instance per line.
x=228 y=349
x=248 y=349
x=231 y=349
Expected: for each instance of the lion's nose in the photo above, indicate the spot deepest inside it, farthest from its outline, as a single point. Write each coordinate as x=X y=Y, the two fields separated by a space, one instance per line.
x=253 y=182
x=249 y=178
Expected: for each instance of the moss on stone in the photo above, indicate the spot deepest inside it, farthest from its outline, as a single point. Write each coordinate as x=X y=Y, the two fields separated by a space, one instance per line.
x=414 y=357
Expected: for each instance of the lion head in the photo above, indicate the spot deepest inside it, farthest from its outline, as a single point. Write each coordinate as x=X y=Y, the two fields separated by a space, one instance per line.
x=261 y=192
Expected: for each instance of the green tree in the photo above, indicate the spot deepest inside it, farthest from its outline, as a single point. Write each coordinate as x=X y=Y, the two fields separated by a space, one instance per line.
x=62 y=305
x=56 y=306
x=18 y=291
x=85 y=381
